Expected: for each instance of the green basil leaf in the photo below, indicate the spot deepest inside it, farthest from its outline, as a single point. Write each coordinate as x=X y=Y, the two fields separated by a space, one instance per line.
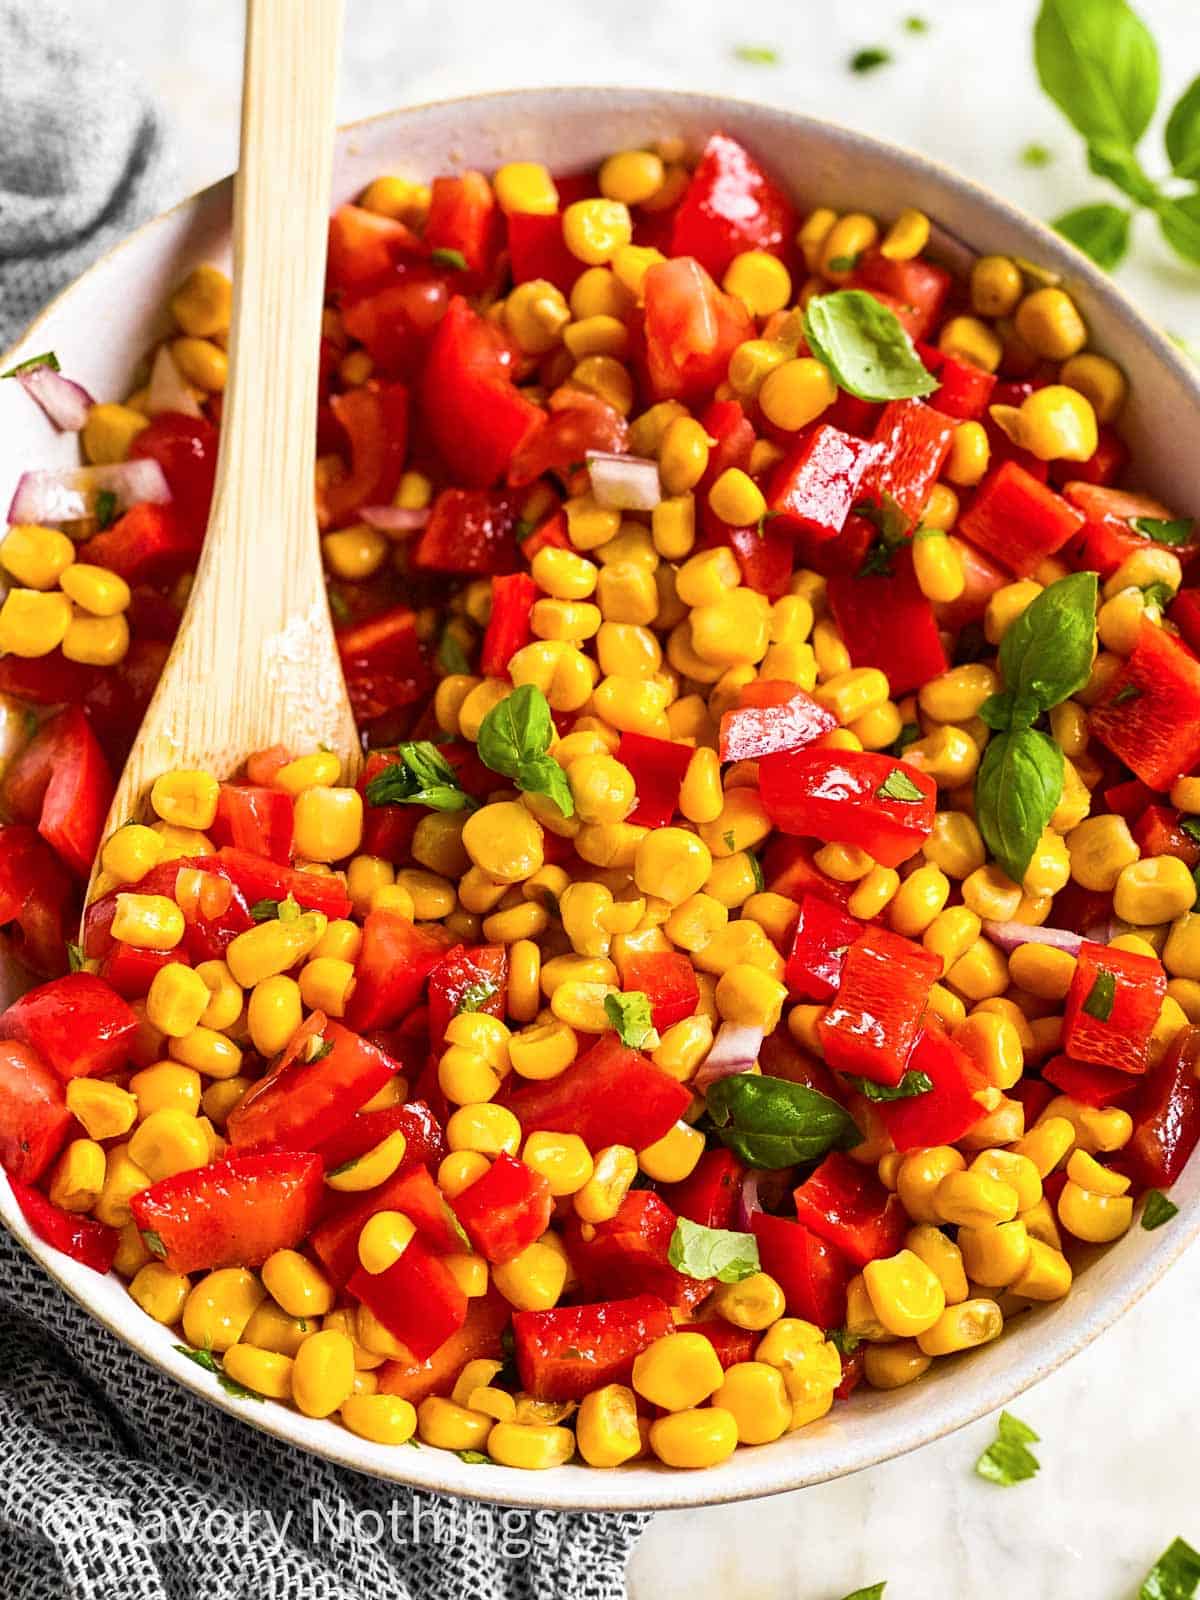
x=474 y=1458
x=1125 y=695
x=1099 y=1002
x=105 y=508
x=843 y=1341
x=700 y=1252
x=74 y=957
x=46 y=359
x=202 y=1358
x=451 y=656
x=1098 y=62
x=153 y=1242
x=875 y=1592
x=760 y=877
x=319 y=1048
x=513 y=740
x=1009 y=1459
x=756 y=55
x=909 y=734
x=454 y=259
x=1175 y=1575
x=1182 y=134
x=899 y=786
x=1100 y=231
x=1180 y=224
x=997 y=711
x=1157 y=1210
x=630 y=1015
x=265 y=910
x=238 y=1390
x=1047 y=653
x=870 y=58
x=864 y=346
x=1175 y=532
x=774 y=1123
x=476 y=995
x=1020 y=781
x=421 y=777
x=877 y=563
x=911 y=1084
x=1158 y=594
x=543 y=775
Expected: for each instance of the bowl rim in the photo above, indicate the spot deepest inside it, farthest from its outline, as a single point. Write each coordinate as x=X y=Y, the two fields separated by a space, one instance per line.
x=761 y=1474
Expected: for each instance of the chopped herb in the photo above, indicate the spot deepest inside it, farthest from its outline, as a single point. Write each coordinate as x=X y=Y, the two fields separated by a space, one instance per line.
x=345 y=1166
x=865 y=347
x=775 y=1123
x=842 y=264
x=911 y=1084
x=453 y=259
x=265 y=910
x=523 y=528
x=878 y=561
x=74 y=957
x=909 y=734
x=899 y=786
x=730 y=839
x=916 y=25
x=420 y=777
x=324 y=1047
x=1125 y=695
x=1008 y=1459
x=761 y=525
x=289 y=909
x=1191 y=826
x=46 y=359
x=153 y=1243
x=630 y=1015
x=451 y=655
x=845 y=1342
x=1175 y=1575
x=1099 y=1003
x=476 y=995
x=1157 y=1210
x=1158 y=594
x=870 y=58
x=415 y=1443
x=1162 y=531
x=760 y=881
x=700 y=1252
x=514 y=739
x=1036 y=155
x=474 y=1458
x=239 y=1391
x=757 y=55
x=202 y=1358
x=889 y=517
x=339 y=608
x=105 y=508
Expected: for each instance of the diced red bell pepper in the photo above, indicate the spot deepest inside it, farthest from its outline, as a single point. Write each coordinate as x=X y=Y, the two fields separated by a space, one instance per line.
x=48 y=680
x=382 y=663
x=709 y=1194
x=1102 y=468
x=731 y=205
x=691 y=329
x=811 y=1273
x=838 y=795
x=38 y=900
x=886 y=622
x=1018 y=520
x=1108 y=536
x=920 y=286
x=302 y=1104
x=1129 y=799
x=1150 y=716
x=476 y=416
x=944 y=1113
x=1092 y=1085
x=149 y=544
x=1158 y=833
x=130 y=970
x=732 y=1345
x=912 y=442
x=98 y=941
x=255 y=819
x=235 y=1212
x=823 y=936
x=77 y=1024
x=84 y=1239
x=963 y=390
x=846 y=1205
x=506 y=1209
x=479 y=1337
x=537 y=249
x=423 y=1133
x=658 y=767
x=668 y=980
x=418 y=1198
x=417 y=1299
x=260 y=879
x=61 y=783
x=1034 y=1096
x=186 y=449
x=509 y=628
x=627 y=1255
x=1112 y=1006
x=609 y=1095
x=750 y=732
x=1166 y=1115
x=764 y=559
x=374 y=417
x=34 y=1120
x=565 y=1353
x=814 y=488
x=334 y=1240
x=214 y=918
x=981 y=578
x=789 y=869
x=469 y=531
x=579 y=421
x=872 y=1024
x=394 y=960
x=394 y=324
x=365 y=250
x=463 y=216
x=1184 y=613
x=466 y=978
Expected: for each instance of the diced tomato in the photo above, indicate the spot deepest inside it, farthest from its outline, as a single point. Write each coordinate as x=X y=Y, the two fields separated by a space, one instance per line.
x=469 y=531
x=947 y=1111
x=1102 y=468
x=425 y=1141
x=886 y=622
x=509 y=628
x=374 y=417
x=394 y=961
x=463 y=216
x=731 y=205
x=477 y=417
x=843 y=796
x=847 y=1206
x=394 y=325
x=77 y=1024
x=579 y=421
x=506 y=1209
x=335 y=1238
x=1108 y=536
x=963 y=390
x=919 y=286
x=1112 y=1006
x=565 y=1353
x=709 y=1194
x=823 y=936
x=479 y=1337
x=467 y=978
x=1018 y=520
x=417 y=1197
x=815 y=486
x=1092 y=1085
x=536 y=249
x=417 y=1299
x=131 y=971
x=1159 y=833
x=609 y=1095
x=382 y=663
x=627 y=1255
x=912 y=441
x=186 y=449
x=872 y=1024
x=304 y=1103
x=255 y=819
x=149 y=544
x=365 y=249
x=750 y=732
x=732 y=1345
x=1166 y=1115
x=235 y=1212
x=765 y=559
x=812 y=1274
x=1129 y=800
x=84 y=1239
x=691 y=329
x=658 y=767
x=1150 y=715
x=668 y=980
x=61 y=783
x=260 y=879
x=34 y=1120
x=117 y=701
x=38 y=900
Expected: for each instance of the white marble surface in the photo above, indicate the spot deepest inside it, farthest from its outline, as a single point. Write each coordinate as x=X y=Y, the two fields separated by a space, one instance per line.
x=1120 y=1425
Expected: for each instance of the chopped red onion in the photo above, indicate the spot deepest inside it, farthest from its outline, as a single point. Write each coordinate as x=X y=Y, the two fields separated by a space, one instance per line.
x=394 y=519
x=749 y=1201
x=69 y=494
x=65 y=402
x=735 y=1049
x=624 y=483
x=1008 y=935
x=168 y=390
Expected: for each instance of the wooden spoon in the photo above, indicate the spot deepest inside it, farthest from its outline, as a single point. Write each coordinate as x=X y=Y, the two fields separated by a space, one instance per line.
x=255 y=662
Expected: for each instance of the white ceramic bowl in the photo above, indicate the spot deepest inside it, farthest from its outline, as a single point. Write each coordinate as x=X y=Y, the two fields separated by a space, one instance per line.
x=102 y=326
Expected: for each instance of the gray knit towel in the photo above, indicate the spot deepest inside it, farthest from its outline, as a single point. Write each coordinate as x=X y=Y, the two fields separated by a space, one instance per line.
x=115 y=1484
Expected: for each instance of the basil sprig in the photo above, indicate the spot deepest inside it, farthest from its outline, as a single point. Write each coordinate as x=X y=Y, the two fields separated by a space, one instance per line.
x=700 y=1252
x=421 y=777
x=513 y=740
x=865 y=347
x=1008 y=1459
x=774 y=1123
x=1175 y=1575
x=1045 y=657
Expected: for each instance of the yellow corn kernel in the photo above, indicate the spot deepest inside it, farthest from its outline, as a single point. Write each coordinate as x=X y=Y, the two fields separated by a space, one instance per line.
x=615 y=1167
x=123 y=1178
x=459 y=1170
x=131 y=1253
x=504 y=841
x=973 y=1200
x=694 y=1438
x=525 y=186
x=1084 y=1170
x=524 y=982
x=1100 y=380
x=968 y=339
x=673 y=1157
x=906 y=1295
x=177 y=998
x=955 y=846
x=677 y=1371
x=1047 y=1144
x=943 y=1258
x=746 y=995
x=109 y=432
x=754 y=1394
x=996 y=286
x=742 y=824
x=810 y=1365
x=996 y=1255
x=383 y=1240
x=320 y=768
x=488 y=1129
x=465 y=1078
x=594 y=230
x=105 y=1110
x=683 y=1047
x=952 y=934
x=167 y=1142
x=534 y=1279
x=209 y=1052
x=130 y=852
x=683 y=455
x=449 y=1426
x=160 y=1292
x=77 y=1177
x=1049 y=323
x=796 y=393
x=1101 y=849
x=892 y=1366
x=224 y=995
x=919 y=1177
x=1094 y=1218
x=325 y=985
x=372 y=1168
x=531 y=1447
x=272 y=947
x=846 y=240
x=95 y=641
x=760 y=281
x=561 y=1158
x=606 y=1426
x=672 y=864
x=918 y=901
x=814 y=231
x=1042 y=970
x=201 y=362
x=994 y=1044
x=166 y=1086
x=754 y=1303
x=203 y=303
x=297 y=1284
x=981 y=972
x=39 y=558
x=906 y=237
x=329 y=823
x=33 y=624
x=1154 y=890
x=323 y=1373
x=962 y=1327
x=218 y=1308
x=382 y=1418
